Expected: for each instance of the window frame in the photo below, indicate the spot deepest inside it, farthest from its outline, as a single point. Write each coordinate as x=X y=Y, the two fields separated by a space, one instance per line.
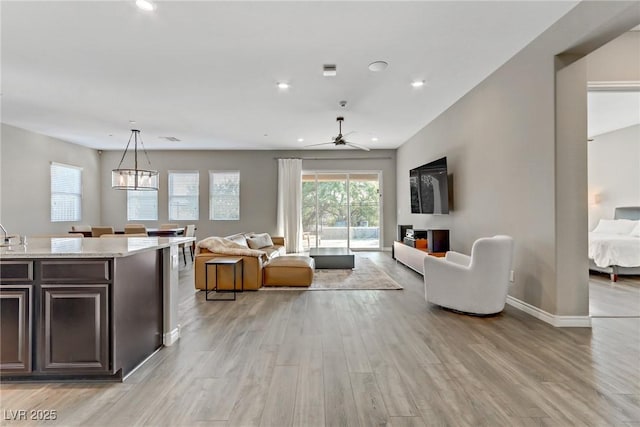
x=170 y=195
x=52 y=193
x=129 y=192
x=211 y=194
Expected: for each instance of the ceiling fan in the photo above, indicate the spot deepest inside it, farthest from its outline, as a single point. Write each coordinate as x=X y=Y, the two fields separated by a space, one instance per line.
x=339 y=140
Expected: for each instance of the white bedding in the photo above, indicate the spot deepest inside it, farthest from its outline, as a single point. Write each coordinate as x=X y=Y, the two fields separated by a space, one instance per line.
x=614 y=249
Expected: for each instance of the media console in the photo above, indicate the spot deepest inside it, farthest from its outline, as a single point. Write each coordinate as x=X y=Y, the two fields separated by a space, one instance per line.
x=412 y=257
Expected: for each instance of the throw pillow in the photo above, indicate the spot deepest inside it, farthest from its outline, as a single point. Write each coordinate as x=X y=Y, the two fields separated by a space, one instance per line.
x=239 y=239
x=258 y=241
x=615 y=226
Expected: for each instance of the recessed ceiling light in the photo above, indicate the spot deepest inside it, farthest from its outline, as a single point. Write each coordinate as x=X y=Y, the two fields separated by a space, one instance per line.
x=300 y=139
x=374 y=139
x=283 y=85
x=378 y=66
x=417 y=83
x=145 y=5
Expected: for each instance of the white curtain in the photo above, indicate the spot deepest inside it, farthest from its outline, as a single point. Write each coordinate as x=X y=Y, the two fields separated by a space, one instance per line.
x=290 y=203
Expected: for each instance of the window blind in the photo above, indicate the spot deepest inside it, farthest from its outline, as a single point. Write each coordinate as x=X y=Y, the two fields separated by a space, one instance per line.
x=142 y=205
x=183 y=195
x=224 y=195
x=66 y=193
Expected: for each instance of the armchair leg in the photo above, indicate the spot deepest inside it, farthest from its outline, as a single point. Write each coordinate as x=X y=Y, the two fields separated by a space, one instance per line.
x=184 y=256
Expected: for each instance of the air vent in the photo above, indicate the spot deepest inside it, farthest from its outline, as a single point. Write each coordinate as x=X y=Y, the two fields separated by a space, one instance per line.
x=170 y=138
x=329 y=70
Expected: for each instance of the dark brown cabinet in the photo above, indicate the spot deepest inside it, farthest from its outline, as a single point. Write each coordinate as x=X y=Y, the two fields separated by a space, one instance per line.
x=16 y=329
x=68 y=318
x=74 y=330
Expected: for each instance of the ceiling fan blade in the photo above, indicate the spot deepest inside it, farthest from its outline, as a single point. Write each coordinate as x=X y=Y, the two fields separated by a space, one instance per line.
x=362 y=147
x=315 y=145
x=349 y=133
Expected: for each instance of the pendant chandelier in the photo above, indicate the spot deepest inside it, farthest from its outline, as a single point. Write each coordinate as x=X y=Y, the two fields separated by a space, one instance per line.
x=134 y=179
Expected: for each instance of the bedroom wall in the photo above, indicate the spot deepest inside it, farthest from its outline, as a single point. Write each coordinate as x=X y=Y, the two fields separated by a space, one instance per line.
x=614 y=157
x=26 y=181
x=502 y=147
x=614 y=172
x=617 y=61
x=258 y=185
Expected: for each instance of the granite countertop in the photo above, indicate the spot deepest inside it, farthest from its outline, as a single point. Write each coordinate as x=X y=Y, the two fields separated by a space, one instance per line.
x=74 y=247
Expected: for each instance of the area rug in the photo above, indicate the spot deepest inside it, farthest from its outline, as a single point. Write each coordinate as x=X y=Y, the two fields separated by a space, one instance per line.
x=366 y=276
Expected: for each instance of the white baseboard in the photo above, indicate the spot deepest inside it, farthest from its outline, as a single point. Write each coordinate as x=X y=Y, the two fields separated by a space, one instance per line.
x=552 y=319
x=170 y=338
x=386 y=249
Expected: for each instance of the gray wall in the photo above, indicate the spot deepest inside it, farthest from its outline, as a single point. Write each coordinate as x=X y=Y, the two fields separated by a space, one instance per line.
x=26 y=181
x=258 y=185
x=614 y=172
x=618 y=60
x=501 y=144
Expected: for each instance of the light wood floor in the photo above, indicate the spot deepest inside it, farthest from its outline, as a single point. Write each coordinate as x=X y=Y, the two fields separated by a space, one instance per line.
x=614 y=299
x=362 y=358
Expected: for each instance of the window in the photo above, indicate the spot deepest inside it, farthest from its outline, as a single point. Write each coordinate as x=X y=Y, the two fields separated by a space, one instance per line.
x=224 y=195
x=142 y=205
x=183 y=195
x=66 y=193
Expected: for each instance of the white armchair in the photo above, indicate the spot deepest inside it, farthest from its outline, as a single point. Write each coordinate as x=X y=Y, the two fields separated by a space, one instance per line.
x=474 y=284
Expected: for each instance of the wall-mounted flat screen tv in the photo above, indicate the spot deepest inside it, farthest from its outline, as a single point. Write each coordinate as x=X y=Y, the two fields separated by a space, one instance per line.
x=430 y=188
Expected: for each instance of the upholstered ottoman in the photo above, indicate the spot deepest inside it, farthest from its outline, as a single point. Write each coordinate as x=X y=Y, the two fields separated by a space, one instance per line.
x=288 y=271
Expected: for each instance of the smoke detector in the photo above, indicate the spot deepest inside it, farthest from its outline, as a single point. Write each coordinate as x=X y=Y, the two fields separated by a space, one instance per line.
x=378 y=66
x=329 y=70
x=343 y=104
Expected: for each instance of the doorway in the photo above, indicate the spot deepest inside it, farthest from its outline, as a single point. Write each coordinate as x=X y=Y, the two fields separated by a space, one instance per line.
x=342 y=210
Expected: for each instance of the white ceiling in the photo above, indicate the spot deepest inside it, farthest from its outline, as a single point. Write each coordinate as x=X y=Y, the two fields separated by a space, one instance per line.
x=612 y=110
x=206 y=72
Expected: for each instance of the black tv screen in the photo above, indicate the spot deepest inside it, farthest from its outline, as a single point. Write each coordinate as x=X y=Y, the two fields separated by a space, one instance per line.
x=430 y=188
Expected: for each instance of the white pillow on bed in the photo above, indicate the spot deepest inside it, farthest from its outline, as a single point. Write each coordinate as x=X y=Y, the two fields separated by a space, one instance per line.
x=615 y=226
x=636 y=230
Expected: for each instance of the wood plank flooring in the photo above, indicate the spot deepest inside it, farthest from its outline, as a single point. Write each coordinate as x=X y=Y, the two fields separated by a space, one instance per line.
x=360 y=358
x=614 y=299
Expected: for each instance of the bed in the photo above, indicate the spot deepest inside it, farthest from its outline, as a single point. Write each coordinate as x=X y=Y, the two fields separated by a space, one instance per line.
x=616 y=254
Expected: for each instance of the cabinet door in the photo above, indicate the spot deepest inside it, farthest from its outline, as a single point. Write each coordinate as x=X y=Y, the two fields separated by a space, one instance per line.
x=75 y=328
x=15 y=329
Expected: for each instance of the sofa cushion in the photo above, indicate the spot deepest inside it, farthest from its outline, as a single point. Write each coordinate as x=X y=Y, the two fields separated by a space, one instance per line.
x=259 y=241
x=271 y=251
x=289 y=271
x=239 y=239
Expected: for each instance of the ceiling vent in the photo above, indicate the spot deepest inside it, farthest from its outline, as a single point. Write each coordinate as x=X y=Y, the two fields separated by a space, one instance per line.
x=329 y=70
x=170 y=138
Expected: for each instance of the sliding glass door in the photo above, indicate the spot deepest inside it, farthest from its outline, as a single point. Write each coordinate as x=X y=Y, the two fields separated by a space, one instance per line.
x=364 y=211
x=341 y=210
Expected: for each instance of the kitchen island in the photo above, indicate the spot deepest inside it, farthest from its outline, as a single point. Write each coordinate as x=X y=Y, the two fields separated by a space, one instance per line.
x=86 y=308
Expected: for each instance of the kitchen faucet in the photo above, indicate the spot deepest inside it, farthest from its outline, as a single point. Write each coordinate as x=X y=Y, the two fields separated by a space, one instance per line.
x=6 y=235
